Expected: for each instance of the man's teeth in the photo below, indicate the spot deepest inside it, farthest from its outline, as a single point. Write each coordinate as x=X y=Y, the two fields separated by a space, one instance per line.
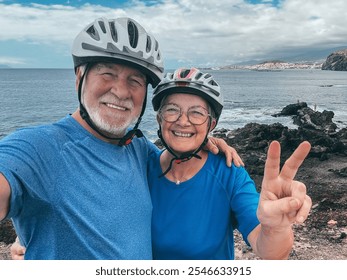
x=115 y=107
x=180 y=134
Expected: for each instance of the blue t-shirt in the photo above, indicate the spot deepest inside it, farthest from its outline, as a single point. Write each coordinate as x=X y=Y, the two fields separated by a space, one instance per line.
x=196 y=219
x=74 y=196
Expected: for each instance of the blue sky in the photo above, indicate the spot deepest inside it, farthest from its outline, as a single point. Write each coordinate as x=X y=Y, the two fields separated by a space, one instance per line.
x=38 y=34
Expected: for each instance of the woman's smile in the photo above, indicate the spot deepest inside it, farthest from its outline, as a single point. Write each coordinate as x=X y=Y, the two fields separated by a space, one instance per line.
x=182 y=134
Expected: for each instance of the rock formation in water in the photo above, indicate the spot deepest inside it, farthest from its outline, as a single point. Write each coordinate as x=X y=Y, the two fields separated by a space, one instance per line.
x=337 y=61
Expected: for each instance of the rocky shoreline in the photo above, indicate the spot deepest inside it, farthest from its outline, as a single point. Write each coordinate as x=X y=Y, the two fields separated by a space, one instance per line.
x=324 y=234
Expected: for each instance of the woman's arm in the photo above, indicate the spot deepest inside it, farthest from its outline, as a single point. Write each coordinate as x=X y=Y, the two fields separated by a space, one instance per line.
x=283 y=202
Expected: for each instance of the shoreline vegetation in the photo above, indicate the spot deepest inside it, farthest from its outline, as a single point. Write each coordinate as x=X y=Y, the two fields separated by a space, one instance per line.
x=324 y=235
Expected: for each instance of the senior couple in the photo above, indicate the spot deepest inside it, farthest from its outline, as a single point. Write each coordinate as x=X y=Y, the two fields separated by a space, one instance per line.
x=90 y=186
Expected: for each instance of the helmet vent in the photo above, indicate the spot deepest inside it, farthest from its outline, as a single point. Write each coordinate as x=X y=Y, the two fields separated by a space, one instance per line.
x=113 y=32
x=185 y=73
x=212 y=82
x=198 y=76
x=102 y=26
x=93 y=33
x=133 y=34
x=149 y=44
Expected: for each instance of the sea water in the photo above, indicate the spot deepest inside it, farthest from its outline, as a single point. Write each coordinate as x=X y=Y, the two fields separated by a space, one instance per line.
x=37 y=96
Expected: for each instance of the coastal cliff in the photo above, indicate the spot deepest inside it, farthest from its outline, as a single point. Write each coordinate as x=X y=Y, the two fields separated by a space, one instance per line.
x=337 y=61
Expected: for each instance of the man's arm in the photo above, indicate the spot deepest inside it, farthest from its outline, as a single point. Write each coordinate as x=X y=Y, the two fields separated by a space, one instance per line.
x=5 y=193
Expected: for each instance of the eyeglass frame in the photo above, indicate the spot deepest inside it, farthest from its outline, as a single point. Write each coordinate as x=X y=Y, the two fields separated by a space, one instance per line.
x=208 y=115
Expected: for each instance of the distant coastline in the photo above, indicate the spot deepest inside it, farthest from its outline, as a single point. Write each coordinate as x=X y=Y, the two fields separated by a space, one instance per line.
x=274 y=65
x=336 y=61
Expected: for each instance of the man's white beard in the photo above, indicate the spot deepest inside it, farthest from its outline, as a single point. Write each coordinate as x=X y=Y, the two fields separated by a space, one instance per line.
x=118 y=131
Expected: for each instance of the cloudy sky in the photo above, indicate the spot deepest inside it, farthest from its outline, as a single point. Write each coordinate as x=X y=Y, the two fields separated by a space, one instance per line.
x=202 y=33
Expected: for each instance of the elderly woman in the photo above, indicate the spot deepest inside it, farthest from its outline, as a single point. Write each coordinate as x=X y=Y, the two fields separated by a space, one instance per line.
x=197 y=200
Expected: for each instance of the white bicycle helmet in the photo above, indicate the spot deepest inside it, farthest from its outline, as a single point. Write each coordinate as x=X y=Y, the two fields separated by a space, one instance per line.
x=190 y=81
x=119 y=40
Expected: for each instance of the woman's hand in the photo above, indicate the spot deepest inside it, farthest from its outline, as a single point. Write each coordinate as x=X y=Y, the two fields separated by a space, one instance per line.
x=283 y=200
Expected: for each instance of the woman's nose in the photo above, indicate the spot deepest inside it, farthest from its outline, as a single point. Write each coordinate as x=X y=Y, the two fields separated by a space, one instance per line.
x=183 y=119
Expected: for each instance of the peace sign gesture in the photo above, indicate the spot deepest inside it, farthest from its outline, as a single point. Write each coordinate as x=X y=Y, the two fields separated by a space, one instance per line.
x=283 y=201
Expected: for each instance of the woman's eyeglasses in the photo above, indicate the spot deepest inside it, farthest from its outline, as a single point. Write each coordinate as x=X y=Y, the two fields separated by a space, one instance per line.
x=196 y=115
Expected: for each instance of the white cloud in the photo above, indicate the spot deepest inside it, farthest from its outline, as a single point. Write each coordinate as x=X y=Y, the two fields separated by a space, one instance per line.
x=13 y=61
x=195 y=32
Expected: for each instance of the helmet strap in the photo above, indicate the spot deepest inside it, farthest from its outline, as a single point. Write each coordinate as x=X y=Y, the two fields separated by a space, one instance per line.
x=183 y=157
x=127 y=138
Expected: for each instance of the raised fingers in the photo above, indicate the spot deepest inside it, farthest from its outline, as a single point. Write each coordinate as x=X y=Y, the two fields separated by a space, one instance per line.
x=272 y=164
x=293 y=163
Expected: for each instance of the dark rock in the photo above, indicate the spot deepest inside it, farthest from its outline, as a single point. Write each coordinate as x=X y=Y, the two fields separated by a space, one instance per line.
x=337 y=61
x=341 y=172
x=311 y=119
x=291 y=109
x=7 y=232
x=308 y=118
